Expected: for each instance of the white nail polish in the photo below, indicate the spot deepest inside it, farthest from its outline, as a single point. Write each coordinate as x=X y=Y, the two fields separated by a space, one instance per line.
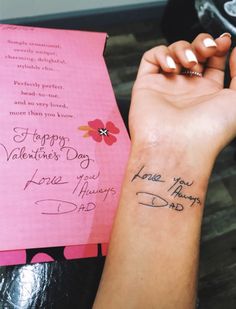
x=170 y=62
x=225 y=34
x=209 y=42
x=190 y=56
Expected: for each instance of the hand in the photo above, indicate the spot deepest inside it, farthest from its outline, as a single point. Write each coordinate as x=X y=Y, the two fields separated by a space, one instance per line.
x=175 y=110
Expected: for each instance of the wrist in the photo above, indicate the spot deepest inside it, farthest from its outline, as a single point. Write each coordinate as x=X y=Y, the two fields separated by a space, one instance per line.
x=186 y=156
x=168 y=178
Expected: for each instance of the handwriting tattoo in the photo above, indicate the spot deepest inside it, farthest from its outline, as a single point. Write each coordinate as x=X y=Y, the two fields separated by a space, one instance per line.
x=148 y=176
x=154 y=200
x=178 y=189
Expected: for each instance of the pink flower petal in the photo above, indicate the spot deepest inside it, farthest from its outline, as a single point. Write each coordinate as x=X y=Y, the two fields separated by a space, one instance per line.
x=112 y=128
x=110 y=139
x=96 y=124
x=95 y=135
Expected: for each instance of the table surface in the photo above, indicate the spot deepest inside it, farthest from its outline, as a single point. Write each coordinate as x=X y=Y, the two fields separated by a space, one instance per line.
x=40 y=8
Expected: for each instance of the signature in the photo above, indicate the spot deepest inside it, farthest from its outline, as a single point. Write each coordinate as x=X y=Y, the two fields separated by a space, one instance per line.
x=154 y=200
x=60 y=207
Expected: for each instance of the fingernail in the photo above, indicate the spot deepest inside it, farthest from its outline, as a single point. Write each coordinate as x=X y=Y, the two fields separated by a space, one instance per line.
x=209 y=42
x=190 y=56
x=225 y=34
x=170 y=62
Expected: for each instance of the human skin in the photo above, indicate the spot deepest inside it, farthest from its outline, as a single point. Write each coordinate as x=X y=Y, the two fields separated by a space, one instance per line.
x=178 y=126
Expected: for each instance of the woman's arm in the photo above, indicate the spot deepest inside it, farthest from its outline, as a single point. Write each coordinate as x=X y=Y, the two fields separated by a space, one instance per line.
x=175 y=123
x=153 y=256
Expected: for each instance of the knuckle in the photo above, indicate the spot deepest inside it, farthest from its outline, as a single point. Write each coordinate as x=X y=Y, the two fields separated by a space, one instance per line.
x=154 y=51
x=160 y=49
x=203 y=36
x=180 y=45
x=182 y=42
x=146 y=53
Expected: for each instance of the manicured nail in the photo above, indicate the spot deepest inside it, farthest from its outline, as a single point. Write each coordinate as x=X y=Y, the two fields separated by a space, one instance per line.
x=170 y=62
x=225 y=34
x=190 y=56
x=209 y=42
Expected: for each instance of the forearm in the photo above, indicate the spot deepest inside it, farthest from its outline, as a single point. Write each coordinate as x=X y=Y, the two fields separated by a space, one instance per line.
x=153 y=254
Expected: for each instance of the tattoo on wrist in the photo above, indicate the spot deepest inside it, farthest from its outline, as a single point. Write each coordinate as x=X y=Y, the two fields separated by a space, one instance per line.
x=177 y=197
x=148 y=176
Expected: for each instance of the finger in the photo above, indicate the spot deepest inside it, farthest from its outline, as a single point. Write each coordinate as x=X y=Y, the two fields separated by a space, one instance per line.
x=215 y=67
x=204 y=46
x=232 y=65
x=184 y=55
x=157 y=59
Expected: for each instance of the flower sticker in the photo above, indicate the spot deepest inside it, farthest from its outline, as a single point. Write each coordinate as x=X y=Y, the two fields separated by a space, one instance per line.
x=98 y=131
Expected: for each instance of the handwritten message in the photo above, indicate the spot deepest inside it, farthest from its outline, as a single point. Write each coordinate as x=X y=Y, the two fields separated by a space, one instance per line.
x=175 y=193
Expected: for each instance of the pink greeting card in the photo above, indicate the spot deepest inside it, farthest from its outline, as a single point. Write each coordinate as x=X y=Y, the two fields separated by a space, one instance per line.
x=63 y=144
